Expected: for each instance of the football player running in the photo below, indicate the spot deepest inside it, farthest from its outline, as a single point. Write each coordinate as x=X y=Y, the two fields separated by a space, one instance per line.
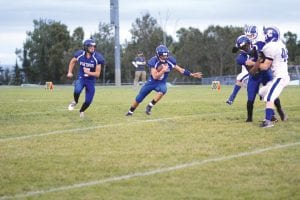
x=160 y=66
x=276 y=57
x=90 y=63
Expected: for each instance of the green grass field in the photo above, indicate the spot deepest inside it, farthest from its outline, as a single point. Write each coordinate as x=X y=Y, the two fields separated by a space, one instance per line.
x=193 y=146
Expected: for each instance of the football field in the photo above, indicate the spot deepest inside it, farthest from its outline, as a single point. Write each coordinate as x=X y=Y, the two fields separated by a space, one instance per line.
x=192 y=146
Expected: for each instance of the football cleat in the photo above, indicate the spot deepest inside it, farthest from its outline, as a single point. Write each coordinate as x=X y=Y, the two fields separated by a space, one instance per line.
x=229 y=102
x=274 y=119
x=72 y=105
x=129 y=113
x=283 y=116
x=148 y=110
x=266 y=124
x=249 y=120
x=81 y=115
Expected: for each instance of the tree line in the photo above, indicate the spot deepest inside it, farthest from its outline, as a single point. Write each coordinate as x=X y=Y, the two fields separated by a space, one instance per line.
x=50 y=46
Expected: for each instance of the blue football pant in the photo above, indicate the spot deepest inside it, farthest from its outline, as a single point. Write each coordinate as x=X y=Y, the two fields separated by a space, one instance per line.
x=89 y=86
x=148 y=87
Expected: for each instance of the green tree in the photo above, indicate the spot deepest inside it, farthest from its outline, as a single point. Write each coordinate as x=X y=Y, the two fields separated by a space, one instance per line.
x=104 y=39
x=291 y=44
x=45 y=48
x=218 y=44
x=16 y=77
x=6 y=76
x=188 y=51
x=76 y=39
x=209 y=52
x=146 y=35
x=1 y=75
x=76 y=43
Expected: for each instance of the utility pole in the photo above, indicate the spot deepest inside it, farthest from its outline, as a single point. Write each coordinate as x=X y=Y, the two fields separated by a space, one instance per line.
x=114 y=20
x=163 y=25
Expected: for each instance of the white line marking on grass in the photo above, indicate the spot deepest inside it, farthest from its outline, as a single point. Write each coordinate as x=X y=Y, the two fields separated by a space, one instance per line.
x=83 y=129
x=105 y=126
x=148 y=173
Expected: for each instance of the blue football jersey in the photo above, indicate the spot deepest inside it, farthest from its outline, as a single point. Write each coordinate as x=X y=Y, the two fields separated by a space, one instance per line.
x=138 y=60
x=242 y=58
x=259 y=45
x=154 y=62
x=90 y=63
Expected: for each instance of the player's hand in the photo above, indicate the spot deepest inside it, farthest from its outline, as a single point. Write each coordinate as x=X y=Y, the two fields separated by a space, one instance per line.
x=253 y=70
x=197 y=75
x=234 y=49
x=70 y=75
x=165 y=67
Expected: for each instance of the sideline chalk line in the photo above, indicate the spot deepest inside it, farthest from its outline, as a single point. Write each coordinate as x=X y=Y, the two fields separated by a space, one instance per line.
x=151 y=172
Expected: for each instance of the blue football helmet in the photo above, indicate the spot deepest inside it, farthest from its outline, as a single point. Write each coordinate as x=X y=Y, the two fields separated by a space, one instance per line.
x=251 y=32
x=271 y=34
x=243 y=43
x=87 y=43
x=162 y=50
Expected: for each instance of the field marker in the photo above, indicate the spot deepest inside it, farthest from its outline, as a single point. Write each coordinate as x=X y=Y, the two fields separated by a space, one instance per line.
x=151 y=172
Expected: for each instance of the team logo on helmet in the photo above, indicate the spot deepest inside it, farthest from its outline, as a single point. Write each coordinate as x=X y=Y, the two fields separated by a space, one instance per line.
x=251 y=32
x=271 y=34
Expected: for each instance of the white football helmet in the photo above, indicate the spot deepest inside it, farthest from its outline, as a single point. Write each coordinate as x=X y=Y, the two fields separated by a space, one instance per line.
x=271 y=34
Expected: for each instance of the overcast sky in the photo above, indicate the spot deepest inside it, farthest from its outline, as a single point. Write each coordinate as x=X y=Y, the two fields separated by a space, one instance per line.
x=16 y=17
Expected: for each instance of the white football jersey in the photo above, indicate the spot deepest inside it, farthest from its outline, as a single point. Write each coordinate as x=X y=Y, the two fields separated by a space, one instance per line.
x=277 y=52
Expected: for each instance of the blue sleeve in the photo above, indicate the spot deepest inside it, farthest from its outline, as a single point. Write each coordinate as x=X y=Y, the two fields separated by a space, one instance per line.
x=259 y=45
x=152 y=62
x=172 y=60
x=100 y=58
x=241 y=59
x=78 y=53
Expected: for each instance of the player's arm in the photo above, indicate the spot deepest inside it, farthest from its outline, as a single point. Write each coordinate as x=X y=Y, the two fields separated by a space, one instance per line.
x=187 y=72
x=96 y=73
x=159 y=71
x=250 y=65
x=256 y=57
x=72 y=63
x=266 y=64
x=140 y=63
x=134 y=64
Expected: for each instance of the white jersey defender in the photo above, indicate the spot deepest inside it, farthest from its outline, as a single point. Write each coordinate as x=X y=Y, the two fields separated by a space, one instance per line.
x=276 y=51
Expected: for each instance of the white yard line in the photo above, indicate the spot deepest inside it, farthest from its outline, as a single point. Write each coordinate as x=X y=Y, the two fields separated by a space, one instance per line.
x=151 y=172
x=94 y=127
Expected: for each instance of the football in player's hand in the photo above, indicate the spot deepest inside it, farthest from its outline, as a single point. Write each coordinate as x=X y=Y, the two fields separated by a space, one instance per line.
x=160 y=67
